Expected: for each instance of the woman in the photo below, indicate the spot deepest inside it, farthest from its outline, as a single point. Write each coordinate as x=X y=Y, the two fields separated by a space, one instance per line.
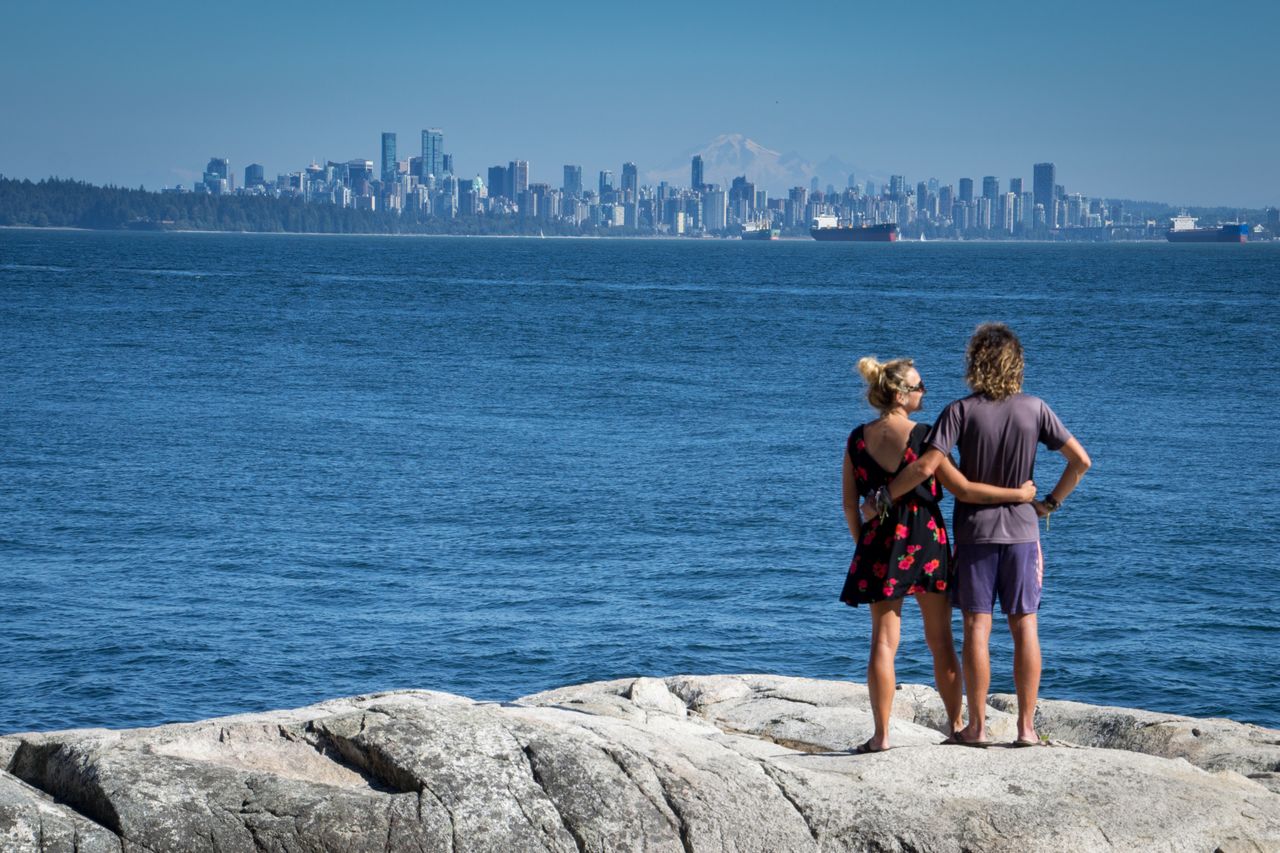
x=904 y=550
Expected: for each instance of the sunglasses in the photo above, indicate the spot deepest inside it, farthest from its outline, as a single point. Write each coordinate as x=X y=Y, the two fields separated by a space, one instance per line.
x=914 y=388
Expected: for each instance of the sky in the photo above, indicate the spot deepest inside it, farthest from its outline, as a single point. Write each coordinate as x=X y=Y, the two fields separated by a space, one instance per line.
x=1162 y=101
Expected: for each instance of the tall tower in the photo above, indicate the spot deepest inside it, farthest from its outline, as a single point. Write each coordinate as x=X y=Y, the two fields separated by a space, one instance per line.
x=498 y=181
x=1042 y=182
x=991 y=187
x=695 y=178
x=966 y=190
x=630 y=181
x=388 y=158
x=518 y=177
x=572 y=181
x=432 y=152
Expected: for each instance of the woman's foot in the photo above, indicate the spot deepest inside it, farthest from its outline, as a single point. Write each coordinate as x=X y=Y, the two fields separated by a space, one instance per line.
x=872 y=744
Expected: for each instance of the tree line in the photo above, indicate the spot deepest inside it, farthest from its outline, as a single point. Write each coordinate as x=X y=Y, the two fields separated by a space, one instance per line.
x=63 y=203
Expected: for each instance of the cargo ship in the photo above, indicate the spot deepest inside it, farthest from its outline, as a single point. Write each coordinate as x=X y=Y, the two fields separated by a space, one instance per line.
x=828 y=228
x=1184 y=230
x=759 y=231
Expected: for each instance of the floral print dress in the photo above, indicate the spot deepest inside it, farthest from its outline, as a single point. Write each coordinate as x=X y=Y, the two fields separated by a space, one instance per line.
x=907 y=553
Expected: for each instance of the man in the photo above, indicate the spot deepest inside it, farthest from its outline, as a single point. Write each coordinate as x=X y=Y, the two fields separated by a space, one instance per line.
x=997 y=552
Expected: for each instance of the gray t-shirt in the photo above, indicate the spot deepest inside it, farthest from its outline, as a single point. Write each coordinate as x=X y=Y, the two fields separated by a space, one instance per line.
x=997 y=441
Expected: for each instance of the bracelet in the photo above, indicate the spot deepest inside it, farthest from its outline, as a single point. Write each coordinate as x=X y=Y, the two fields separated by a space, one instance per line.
x=884 y=502
x=1051 y=502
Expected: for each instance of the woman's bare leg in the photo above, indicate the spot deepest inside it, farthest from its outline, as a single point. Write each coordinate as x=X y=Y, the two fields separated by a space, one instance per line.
x=936 y=612
x=886 y=622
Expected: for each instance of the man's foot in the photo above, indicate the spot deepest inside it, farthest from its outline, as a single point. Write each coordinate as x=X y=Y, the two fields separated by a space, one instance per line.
x=964 y=737
x=1027 y=739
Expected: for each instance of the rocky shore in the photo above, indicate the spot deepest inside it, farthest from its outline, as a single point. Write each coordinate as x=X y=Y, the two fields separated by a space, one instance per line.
x=686 y=763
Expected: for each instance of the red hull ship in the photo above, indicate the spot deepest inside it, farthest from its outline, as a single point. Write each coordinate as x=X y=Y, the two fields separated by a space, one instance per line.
x=825 y=228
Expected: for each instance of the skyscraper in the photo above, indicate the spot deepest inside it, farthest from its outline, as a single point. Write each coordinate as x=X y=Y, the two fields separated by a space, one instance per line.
x=432 y=152
x=605 y=184
x=630 y=181
x=696 y=173
x=715 y=210
x=498 y=181
x=388 y=158
x=1015 y=186
x=517 y=177
x=217 y=175
x=572 y=181
x=253 y=176
x=447 y=162
x=991 y=187
x=1042 y=181
x=966 y=190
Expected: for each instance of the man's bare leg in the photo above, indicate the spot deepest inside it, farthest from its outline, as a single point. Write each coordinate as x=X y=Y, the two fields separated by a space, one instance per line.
x=977 y=673
x=1026 y=670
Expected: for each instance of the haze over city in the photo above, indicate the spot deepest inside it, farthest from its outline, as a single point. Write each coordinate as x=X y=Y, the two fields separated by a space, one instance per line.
x=1143 y=102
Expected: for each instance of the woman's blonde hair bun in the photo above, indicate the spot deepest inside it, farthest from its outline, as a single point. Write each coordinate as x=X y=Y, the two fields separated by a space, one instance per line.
x=870 y=368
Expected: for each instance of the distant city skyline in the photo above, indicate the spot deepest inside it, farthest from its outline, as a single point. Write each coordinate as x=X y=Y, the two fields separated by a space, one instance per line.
x=1164 y=104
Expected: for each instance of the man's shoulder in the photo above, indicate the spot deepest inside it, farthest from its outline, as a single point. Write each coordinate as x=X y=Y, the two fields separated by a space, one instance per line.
x=966 y=402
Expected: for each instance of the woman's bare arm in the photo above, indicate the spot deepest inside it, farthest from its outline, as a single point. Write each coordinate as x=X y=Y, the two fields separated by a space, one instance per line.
x=980 y=493
x=850 y=498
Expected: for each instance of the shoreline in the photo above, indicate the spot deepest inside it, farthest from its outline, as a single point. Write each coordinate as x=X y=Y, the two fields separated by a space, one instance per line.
x=945 y=241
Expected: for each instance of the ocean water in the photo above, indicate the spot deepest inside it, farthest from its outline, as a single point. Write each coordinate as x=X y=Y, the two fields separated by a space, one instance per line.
x=243 y=472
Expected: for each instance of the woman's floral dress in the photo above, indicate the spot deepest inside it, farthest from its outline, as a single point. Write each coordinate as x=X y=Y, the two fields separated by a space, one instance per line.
x=907 y=553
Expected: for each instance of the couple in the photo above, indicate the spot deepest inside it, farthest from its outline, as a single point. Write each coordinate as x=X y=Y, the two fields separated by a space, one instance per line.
x=895 y=465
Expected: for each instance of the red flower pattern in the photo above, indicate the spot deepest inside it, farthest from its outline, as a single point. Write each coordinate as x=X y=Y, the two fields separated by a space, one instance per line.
x=917 y=564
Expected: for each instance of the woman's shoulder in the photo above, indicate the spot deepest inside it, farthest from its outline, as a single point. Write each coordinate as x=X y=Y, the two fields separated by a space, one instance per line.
x=857 y=441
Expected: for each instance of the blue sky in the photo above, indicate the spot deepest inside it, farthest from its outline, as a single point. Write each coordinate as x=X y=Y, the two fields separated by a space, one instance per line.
x=1168 y=101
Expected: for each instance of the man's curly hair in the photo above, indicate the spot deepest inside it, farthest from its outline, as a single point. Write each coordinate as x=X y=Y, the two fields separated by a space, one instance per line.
x=994 y=361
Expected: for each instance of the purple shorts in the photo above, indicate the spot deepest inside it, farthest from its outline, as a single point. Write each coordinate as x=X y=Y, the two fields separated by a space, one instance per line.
x=1009 y=570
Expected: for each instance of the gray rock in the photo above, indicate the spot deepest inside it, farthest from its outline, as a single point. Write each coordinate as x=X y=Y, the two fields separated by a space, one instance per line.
x=1213 y=744
x=688 y=763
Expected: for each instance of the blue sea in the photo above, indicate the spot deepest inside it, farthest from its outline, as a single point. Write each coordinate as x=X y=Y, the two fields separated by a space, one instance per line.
x=241 y=472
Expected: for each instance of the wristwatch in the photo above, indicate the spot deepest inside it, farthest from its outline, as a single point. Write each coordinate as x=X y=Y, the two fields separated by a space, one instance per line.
x=1051 y=502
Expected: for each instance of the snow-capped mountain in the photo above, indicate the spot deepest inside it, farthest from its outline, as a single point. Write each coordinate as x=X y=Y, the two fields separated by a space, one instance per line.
x=733 y=154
